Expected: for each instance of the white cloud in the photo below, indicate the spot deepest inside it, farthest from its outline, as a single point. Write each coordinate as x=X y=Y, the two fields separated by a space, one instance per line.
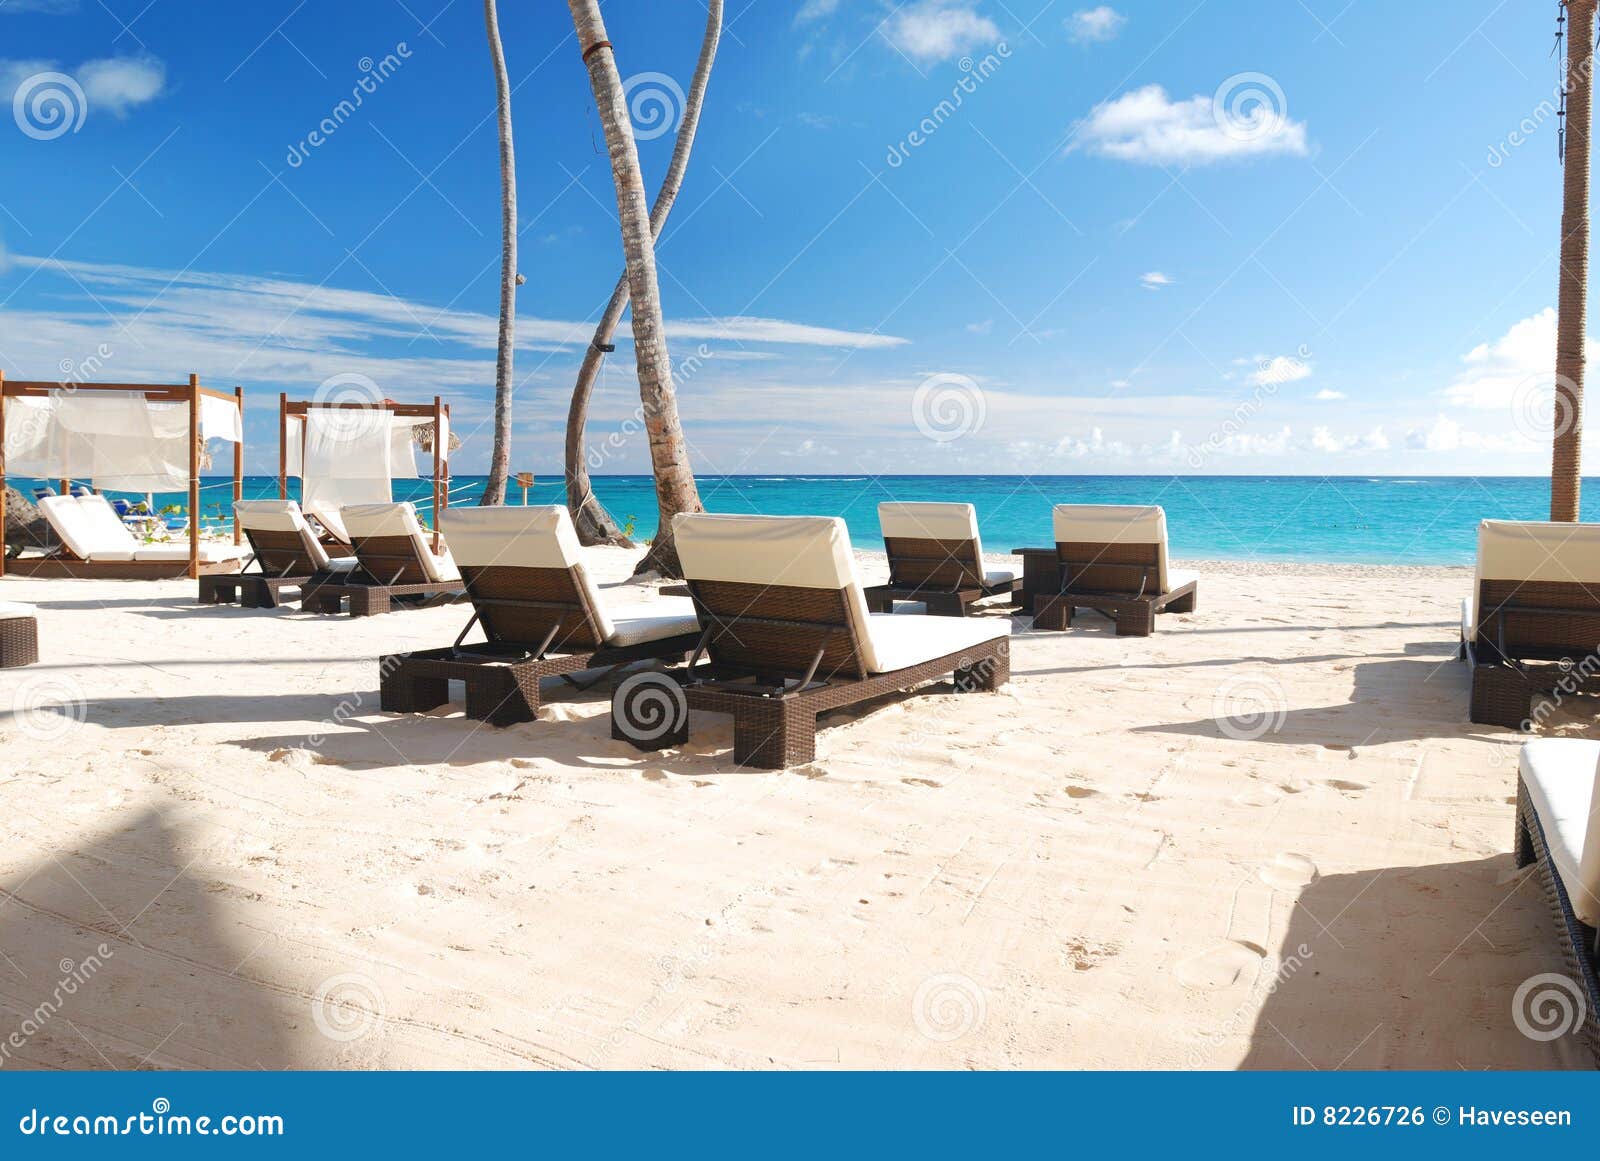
x=1324 y=440
x=981 y=328
x=1282 y=369
x=935 y=30
x=1328 y=395
x=46 y=7
x=14 y=72
x=1149 y=127
x=1155 y=280
x=1095 y=25
x=813 y=10
x=118 y=84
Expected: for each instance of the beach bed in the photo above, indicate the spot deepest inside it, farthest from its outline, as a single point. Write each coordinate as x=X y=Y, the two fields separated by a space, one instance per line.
x=936 y=558
x=287 y=554
x=394 y=562
x=1558 y=790
x=1111 y=558
x=540 y=615
x=786 y=636
x=96 y=543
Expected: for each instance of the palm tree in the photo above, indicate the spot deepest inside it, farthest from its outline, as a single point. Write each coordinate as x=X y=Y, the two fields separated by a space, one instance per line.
x=1572 y=293
x=669 y=454
x=593 y=522
x=494 y=491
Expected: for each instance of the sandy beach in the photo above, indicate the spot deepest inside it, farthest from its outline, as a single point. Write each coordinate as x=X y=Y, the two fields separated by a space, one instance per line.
x=1266 y=837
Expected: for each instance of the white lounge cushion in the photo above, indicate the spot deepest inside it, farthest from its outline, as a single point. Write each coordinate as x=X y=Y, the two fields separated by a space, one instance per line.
x=998 y=576
x=342 y=563
x=12 y=610
x=281 y=516
x=331 y=521
x=897 y=640
x=1469 y=616
x=209 y=553
x=652 y=620
x=1116 y=524
x=1533 y=550
x=399 y=519
x=928 y=521
x=1561 y=776
x=82 y=524
x=535 y=536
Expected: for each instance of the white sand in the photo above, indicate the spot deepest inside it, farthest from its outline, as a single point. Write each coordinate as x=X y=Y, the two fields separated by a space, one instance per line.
x=1083 y=870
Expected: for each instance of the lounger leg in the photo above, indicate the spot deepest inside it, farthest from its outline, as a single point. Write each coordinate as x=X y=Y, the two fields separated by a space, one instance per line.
x=400 y=692
x=19 y=642
x=1522 y=843
x=1138 y=621
x=1052 y=613
x=940 y=605
x=322 y=599
x=772 y=735
x=1499 y=697
x=255 y=593
x=495 y=696
x=879 y=603
x=985 y=673
x=1186 y=604
x=368 y=601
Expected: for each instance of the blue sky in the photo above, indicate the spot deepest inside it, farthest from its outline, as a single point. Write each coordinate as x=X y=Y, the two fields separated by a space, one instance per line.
x=935 y=236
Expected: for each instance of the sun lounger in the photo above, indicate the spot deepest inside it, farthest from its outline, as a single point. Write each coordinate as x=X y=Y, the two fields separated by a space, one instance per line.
x=935 y=557
x=394 y=561
x=1113 y=558
x=287 y=556
x=540 y=615
x=19 y=635
x=93 y=537
x=1558 y=793
x=1535 y=598
x=786 y=635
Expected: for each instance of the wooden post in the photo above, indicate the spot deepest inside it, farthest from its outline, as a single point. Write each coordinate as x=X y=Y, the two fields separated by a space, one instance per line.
x=3 y=466
x=439 y=436
x=194 y=477
x=1572 y=284
x=524 y=481
x=238 y=463
x=283 y=447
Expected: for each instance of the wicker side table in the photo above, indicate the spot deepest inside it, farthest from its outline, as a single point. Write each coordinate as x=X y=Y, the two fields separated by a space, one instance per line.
x=19 y=635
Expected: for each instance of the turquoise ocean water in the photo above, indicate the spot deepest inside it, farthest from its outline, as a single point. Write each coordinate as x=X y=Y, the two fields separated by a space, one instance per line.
x=1368 y=520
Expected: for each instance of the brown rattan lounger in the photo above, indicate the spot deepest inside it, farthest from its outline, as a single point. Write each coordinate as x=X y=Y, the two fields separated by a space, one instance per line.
x=786 y=636
x=540 y=615
x=19 y=635
x=1535 y=599
x=393 y=560
x=935 y=557
x=287 y=554
x=1112 y=558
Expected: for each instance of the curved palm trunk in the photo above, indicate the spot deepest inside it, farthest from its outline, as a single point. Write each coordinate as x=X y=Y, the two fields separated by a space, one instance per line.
x=494 y=491
x=593 y=522
x=669 y=454
x=1572 y=294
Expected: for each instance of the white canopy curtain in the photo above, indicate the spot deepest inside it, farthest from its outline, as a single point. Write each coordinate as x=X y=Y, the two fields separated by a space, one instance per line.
x=120 y=441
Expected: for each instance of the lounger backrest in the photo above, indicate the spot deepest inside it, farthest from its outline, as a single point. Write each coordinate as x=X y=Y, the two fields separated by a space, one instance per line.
x=523 y=570
x=1112 y=547
x=1532 y=564
x=87 y=525
x=280 y=537
x=330 y=520
x=391 y=546
x=774 y=590
x=932 y=545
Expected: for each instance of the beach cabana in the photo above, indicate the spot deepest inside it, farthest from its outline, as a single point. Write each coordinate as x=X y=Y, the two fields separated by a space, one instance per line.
x=349 y=453
x=131 y=437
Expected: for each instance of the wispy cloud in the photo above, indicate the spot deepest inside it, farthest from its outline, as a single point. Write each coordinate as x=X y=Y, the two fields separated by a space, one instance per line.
x=47 y=7
x=1328 y=395
x=814 y=10
x=1155 y=280
x=1149 y=127
x=118 y=84
x=935 y=30
x=1279 y=370
x=1095 y=25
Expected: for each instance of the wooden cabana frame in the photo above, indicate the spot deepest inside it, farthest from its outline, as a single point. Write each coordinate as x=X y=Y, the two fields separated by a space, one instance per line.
x=189 y=393
x=437 y=411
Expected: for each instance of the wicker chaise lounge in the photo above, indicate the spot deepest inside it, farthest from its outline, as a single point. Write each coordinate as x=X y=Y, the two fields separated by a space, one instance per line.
x=1113 y=558
x=786 y=635
x=19 y=635
x=393 y=560
x=287 y=554
x=1558 y=794
x=1535 y=598
x=936 y=557
x=541 y=617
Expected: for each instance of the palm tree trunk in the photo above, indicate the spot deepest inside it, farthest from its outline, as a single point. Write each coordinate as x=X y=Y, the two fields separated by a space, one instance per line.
x=494 y=491
x=669 y=454
x=593 y=522
x=1572 y=293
